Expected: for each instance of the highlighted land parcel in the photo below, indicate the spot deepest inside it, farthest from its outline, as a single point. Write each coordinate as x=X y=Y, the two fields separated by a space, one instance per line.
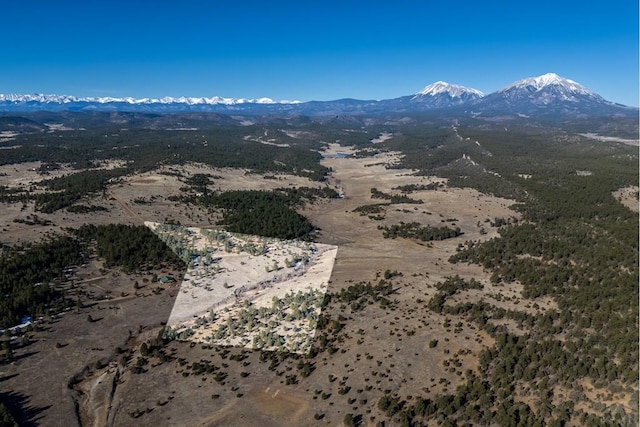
x=248 y=291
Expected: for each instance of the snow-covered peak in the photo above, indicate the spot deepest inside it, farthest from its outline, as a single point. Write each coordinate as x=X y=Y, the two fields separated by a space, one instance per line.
x=454 y=91
x=37 y=97
x=547 y=80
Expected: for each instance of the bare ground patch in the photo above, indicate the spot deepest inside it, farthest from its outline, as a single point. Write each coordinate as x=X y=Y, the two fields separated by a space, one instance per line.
x=628 y=196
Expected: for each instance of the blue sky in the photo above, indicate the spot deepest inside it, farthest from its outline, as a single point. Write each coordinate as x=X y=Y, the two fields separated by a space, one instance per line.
x=324 y=50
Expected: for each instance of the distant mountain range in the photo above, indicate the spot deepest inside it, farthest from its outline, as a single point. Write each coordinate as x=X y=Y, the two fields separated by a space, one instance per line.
x=548 y=94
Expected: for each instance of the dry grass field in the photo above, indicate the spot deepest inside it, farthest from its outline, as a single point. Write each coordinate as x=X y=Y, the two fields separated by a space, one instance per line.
x=402 y=348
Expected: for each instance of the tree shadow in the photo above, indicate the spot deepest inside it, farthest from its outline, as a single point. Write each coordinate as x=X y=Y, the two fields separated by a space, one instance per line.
x=8 y=377
x=23 y=355
x=27 y=343
x=18 y=405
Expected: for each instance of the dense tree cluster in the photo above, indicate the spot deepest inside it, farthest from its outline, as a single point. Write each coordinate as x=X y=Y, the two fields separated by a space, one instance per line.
x=26 y=274
x=265 y=213
x=393 y=198
x=131 y=247
x=200 y=182
x=410 y=188
x=375 y=208
x=448 y=288
x=88 y=181
x=415 y=230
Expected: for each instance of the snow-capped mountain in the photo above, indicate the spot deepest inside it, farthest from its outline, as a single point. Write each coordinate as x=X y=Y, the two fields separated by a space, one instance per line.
x=442 y=94
x=451 y=90
x=546 y=95
x=549 y=79
x=547 y=88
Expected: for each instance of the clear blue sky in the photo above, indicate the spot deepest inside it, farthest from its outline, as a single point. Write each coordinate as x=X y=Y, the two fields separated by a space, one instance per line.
x=319 y=50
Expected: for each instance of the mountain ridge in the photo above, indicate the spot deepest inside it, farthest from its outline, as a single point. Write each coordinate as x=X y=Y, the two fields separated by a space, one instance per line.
x=545 y=94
